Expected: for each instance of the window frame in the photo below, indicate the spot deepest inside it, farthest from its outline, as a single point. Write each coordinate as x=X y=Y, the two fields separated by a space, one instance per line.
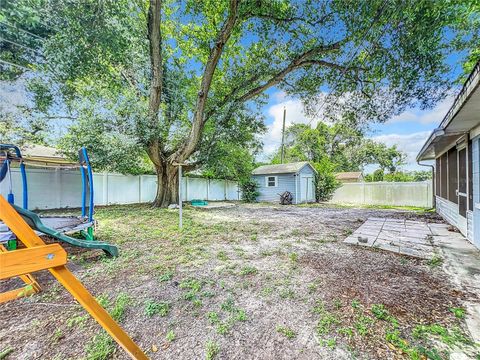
x=267 y=181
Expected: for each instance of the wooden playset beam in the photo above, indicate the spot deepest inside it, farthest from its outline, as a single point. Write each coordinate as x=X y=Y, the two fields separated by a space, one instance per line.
x=31 y=240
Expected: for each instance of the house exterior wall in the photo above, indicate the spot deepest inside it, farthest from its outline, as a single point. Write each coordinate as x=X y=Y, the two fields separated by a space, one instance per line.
x=285 y=182
x=475 y=223
x=450 y=211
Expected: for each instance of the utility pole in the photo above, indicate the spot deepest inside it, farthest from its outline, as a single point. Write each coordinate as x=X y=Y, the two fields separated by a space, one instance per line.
x=283 y=134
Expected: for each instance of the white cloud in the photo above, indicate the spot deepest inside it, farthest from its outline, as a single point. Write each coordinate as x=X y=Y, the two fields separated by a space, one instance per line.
x=295 y=115
x=431 y=116
x=408 y=143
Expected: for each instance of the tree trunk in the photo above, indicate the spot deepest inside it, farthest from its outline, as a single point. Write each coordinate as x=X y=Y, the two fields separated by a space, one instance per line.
x=167 y=185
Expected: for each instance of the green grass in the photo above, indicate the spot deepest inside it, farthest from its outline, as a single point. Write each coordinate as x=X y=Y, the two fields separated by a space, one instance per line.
x=287 y=332
x=458 y=312
x=229 y=316
x=153 y=308
x=211 y=350
x=101 y=346
x=248 y=270
x=435 y=261
x=170 y=336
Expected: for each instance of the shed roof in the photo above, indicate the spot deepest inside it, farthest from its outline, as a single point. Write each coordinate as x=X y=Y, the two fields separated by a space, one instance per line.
x=289 y=168
x=348 y=175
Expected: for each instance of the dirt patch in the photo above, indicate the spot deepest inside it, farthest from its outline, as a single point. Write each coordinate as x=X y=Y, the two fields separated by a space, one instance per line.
x=252 y=281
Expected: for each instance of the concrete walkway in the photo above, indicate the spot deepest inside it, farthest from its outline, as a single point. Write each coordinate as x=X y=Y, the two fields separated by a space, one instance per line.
x=461 y=260
x=402 y=236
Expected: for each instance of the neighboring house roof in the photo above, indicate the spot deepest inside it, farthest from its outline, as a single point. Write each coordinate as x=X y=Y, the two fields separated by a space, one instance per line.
x=43 y=154
x=289 y=168
x=352 y=175
x=459 y=120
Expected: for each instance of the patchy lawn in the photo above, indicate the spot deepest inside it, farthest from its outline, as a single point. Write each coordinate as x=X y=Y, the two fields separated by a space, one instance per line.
x=253 y=281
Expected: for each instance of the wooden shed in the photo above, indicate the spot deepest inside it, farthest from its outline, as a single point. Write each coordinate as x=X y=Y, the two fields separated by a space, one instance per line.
x=298 y=178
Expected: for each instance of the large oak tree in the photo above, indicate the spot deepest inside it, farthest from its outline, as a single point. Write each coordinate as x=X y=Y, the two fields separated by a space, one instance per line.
x=176 y=79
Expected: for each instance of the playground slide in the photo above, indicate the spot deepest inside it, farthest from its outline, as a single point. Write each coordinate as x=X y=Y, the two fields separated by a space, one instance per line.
x=34 y=221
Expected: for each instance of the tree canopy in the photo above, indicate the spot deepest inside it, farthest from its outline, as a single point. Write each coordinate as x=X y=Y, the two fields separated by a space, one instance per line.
x=181 y=81
x=345 y=147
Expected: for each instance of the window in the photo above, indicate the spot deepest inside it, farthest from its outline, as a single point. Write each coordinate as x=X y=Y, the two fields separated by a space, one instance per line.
x=443 y=176
x=271 y=181
x=453 y=175
x=437 y=177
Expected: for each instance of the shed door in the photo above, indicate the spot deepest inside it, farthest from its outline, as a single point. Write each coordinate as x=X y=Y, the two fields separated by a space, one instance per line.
x=306 y=188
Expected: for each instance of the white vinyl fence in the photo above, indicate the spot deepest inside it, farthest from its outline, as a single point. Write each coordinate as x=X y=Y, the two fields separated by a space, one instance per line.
x=385 y=193
x=55 y=189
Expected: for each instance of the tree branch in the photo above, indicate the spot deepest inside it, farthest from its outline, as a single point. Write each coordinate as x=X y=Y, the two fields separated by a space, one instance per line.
x=301 y=61
x=155 y=43
x=191 y=143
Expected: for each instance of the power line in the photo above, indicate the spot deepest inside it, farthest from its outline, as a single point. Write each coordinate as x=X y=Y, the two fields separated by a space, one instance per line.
x=22 y=46
x=25 y=31
x=15 y=65
x=346 y=68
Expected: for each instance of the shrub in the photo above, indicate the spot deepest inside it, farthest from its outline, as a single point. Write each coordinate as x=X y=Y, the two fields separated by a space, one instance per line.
x=325 y=181
x=249 y=190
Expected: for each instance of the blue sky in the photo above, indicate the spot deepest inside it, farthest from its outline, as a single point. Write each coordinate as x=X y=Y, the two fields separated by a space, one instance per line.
x=408 y=130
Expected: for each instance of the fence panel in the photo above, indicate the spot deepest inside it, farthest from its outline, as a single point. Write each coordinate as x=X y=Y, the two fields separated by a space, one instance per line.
x=385 y=193
x=55 y=188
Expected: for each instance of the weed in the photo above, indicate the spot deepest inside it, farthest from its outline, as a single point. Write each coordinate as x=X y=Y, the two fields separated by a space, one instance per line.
x=287 y=332
x=57 y=335
x=166 y=276
x=435 y=261
x=379 y=311
x=363 y=324
x=355 y=304
x=77 y=321
x=347 y=331
x=458 y=312
x=337 y=304
x=312 y=287
x=170 y=336
x=294 y=258
x=213 y=317
x=254 y=237
x=449 y=337
x=248 y=270
x=153 y=308
x=331 y=343
x=222 y=255
x=287 y=293
x=211 y=350
x=5 y=352
x=101 y=347
x=327 y=320
x=267 y=291
x=120 y=306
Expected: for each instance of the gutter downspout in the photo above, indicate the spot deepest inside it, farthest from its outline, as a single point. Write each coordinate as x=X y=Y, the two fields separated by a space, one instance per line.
x=433 y=182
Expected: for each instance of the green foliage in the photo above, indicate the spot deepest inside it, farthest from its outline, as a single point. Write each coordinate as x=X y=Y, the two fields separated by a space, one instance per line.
x=249 y=189
x=153 y=308
x=170 y=336
x=458 y=312
x=287 y=332
x=399 y=176
x=211 y=350
x=97 y=58
x=325 y=181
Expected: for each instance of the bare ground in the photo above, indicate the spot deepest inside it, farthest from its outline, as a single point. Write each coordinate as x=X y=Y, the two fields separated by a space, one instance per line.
x=249 y=282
